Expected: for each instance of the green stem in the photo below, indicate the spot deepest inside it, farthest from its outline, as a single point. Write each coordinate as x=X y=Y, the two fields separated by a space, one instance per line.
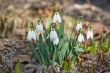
x=72 y=29
x=54 y=56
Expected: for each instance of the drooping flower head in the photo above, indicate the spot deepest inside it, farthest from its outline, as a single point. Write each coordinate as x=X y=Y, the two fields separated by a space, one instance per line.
x=56 y=16
x=89 y=34
x=78 y=24
x=54 y=37
x=80 y=37
x=39 y=26
x=31 y=34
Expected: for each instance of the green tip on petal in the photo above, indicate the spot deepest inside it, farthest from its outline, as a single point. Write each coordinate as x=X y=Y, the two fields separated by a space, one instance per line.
x=90 y=26
x=39 y=19
x=78 y=19
x=80 y=31
x=53 y=23
x=55 y=9
x=53 y=29
x=31 y=26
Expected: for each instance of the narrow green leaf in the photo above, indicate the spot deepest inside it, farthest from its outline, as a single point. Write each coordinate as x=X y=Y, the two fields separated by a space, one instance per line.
x=79 y=49
x=61 y=30
x=48 y=22
x=17 y=68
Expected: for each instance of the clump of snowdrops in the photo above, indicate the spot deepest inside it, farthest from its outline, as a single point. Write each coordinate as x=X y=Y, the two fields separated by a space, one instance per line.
x=51 y=47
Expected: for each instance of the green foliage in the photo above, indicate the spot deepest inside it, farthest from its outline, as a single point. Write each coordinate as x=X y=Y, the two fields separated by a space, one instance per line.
x=61 y=29
x=92 y=48
x=64 y=54
x=105 y=45
x=17 y=68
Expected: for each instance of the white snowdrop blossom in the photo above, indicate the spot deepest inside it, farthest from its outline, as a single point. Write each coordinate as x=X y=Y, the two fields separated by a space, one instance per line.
x=56 y=41
x=89 y=34
x=54 y=37
x=31 y=36
x=80 y=38
x=39 y=27
x=78 y=26
x=57 y=18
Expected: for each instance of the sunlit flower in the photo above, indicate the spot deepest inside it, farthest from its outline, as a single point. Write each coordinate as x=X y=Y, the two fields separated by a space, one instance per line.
x=56 y=41
x=89 y=34
x=54 y=37
x=78 y=26
x=57 y=18
x=39 y=26
x=31 y=34
x=80 y=38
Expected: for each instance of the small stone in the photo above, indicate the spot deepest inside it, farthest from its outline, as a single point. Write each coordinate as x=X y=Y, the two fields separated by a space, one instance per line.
x=22 y=58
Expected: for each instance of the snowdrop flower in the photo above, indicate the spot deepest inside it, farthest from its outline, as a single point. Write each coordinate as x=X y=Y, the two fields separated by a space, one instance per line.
x=89 y=34
x=78 y=26
x=54 y=37
x=31 y=34
x=80 y=38
x=39 y=27
x=56 y=41
x=56 y=18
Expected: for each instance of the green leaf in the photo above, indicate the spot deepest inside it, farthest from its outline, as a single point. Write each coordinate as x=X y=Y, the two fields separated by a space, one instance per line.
x=79 y=49
x=64 y=66
x=61 y=43
x=48 y=22
x=17 y=68
x=62 y=52
x=93 y=48
x=35 y=53
x=61 y=30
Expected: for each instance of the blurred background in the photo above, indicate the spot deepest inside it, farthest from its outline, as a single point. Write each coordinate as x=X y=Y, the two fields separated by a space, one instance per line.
x=15 y=14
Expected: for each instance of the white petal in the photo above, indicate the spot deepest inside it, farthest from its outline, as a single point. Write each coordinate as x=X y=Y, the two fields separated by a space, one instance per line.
x=53 y=35
x=39 y=28
x=78 y=27
x=89 y=35
x=55 y=18
x=80 y=38
x=58 y=18
x=56 y=41
x=31 y=35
